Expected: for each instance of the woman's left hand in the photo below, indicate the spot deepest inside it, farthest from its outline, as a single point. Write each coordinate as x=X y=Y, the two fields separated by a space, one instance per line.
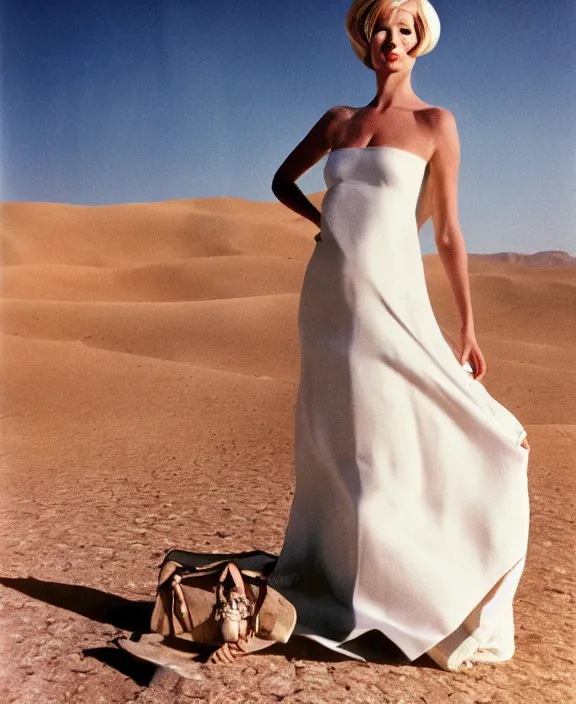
x=471 y=353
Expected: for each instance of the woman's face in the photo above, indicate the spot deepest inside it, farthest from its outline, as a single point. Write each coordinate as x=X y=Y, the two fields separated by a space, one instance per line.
x=394 y=36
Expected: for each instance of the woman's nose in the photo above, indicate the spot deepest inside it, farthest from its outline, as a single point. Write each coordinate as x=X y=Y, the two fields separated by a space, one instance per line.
x=390 y=42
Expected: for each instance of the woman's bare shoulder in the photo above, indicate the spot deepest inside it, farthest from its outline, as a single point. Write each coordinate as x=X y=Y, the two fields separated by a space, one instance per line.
x=342 y=112
x=436 y=116
x=346 y=108
x=335 y=117
x=438 y=122
x=431 y=111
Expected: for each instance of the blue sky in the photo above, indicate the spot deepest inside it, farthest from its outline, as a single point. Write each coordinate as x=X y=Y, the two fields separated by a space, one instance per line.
x=146 y=100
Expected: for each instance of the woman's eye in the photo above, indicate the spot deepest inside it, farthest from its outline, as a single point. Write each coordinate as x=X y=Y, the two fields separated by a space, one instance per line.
x=404 y=30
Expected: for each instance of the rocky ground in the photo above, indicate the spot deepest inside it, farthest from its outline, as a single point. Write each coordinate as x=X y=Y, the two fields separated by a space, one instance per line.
x=83 y=535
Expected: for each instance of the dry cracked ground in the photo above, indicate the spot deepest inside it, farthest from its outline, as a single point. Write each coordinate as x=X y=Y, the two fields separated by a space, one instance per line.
x=84 y=532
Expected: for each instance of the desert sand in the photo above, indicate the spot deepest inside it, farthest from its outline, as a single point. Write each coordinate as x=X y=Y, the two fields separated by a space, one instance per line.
x=150 y=364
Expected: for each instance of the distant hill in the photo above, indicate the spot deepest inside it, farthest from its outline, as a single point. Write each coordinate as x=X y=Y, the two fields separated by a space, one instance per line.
x=552 y=257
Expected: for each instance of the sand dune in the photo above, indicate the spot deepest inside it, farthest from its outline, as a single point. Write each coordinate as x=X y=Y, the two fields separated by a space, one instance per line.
x=258 y=337
x=115 y=235
x=214 y=283
x=192 y=279
x=254 y=336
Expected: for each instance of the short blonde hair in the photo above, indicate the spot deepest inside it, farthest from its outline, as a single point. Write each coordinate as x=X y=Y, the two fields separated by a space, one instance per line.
x=363 y=16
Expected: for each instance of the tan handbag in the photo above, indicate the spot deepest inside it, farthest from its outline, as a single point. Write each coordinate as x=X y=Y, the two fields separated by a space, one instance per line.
x=221 y=602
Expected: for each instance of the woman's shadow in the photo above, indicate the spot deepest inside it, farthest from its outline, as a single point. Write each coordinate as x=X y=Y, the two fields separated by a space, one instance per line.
x=134 y=616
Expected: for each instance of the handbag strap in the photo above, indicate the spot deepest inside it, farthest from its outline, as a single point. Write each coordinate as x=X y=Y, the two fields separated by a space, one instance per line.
x=232 y=570
x=182 y=606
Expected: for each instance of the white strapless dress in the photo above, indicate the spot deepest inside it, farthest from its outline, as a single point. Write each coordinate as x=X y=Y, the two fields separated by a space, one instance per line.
x=411 y=510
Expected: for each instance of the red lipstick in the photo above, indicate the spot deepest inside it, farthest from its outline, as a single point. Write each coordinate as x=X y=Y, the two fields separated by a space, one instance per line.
x=391 y=56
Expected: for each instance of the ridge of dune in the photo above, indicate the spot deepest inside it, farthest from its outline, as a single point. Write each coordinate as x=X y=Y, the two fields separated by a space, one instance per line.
x=217 y=372
x=113 y=235
x=91 y=397
x=196 y=278
x=246 y=335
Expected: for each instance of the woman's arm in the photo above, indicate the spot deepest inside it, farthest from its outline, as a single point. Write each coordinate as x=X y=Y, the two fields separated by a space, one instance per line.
x=307 y=153
x=444 y=166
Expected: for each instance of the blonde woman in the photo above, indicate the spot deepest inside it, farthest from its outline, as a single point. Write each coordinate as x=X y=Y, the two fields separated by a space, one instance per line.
x=410 y=515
